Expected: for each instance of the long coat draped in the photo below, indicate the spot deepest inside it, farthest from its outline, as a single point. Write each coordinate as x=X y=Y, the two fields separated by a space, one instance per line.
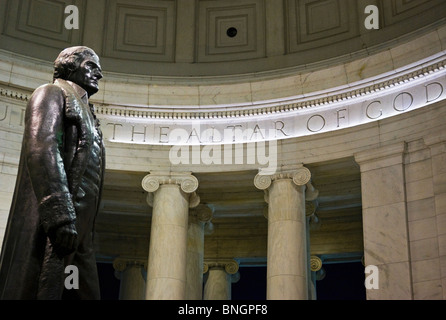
x=58 y=137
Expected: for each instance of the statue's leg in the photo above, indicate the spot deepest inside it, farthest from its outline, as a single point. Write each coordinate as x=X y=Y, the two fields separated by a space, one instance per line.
x=85 y=262
x=51 y=281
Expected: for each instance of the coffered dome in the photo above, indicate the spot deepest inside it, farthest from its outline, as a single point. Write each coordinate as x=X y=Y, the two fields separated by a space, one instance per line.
x=178 y=40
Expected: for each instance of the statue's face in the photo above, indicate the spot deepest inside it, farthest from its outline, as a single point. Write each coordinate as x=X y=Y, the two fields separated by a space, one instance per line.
x=88 y=74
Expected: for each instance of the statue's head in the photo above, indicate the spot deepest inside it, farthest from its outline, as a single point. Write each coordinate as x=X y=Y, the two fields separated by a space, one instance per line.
x=80 y=65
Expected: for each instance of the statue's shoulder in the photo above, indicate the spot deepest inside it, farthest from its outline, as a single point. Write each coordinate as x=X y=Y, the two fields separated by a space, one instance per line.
x=48 y=89
x=48 y=95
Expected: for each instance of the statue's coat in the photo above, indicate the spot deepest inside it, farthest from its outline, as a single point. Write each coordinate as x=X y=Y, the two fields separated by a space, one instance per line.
x=58 y=140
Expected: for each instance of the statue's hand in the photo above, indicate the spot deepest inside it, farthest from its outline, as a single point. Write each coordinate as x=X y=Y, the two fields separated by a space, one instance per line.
x=65 y=239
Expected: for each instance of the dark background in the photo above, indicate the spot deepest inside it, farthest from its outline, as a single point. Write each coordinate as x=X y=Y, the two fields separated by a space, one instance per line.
x=343 y=281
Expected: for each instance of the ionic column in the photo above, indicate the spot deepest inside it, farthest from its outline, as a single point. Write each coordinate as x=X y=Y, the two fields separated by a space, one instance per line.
x=287 y=261
x=310 y=214
x=199 y=217
x=221 y=274
x=171 y=195
x=131 y=272
x=315 y=266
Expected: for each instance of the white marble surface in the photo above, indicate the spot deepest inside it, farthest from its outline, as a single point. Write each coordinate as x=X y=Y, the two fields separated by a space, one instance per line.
x=218 y=285
x=287 y=246
x=403 y=219
x=195 y=256
x=166 y=272
x=133 y=286
x=386 y=237
x=125 y=90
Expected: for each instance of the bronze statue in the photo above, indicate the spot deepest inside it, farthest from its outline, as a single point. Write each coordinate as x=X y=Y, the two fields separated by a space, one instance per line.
x=58 y=188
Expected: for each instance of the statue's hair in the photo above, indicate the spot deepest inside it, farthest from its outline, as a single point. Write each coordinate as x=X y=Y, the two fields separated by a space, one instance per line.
x=69 y=60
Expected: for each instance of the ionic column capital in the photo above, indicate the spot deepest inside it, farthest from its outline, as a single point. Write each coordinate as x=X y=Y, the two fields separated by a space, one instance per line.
x=315 y=263
x=300 y=176
x=194 y=200
x=316 y=266
x=231 y=266
x=202 y=213
x=311 y=193
x=310 y=213
x=310 y=208
x=185 y=180
x=122 y=263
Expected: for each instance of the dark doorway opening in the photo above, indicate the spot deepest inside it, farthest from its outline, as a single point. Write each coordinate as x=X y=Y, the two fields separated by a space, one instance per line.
x=251 y=284
x=342 y=281
x=108 y=282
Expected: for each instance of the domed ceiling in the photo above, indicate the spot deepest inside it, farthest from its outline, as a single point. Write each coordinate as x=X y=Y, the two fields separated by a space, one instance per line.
x=208 y=38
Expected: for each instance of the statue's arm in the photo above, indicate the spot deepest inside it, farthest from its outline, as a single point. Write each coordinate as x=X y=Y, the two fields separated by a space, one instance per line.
x=44 y=143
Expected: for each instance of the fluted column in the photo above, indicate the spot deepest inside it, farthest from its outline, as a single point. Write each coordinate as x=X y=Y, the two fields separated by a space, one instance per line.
x=221 y=274
x=287 y=260
x=131 y=272
x=198 y=220
x=171 y=195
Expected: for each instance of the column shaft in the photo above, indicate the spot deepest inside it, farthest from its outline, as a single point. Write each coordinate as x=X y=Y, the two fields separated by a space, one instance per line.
x=133 y=286
x=287 y=242
x=195 y=255
x=166 y=274
x=218 y=285
x=199 y=217
x=287 y=257
x=221 y=275
x=131 y=273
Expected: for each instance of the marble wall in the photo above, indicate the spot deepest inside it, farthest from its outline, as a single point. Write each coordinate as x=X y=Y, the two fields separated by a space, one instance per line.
x=403 y=190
